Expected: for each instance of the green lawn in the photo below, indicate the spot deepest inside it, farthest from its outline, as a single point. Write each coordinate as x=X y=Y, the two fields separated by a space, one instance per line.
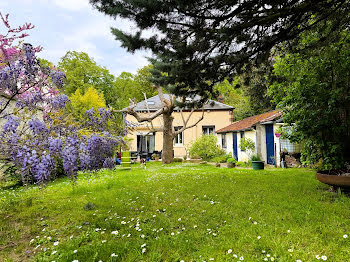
x=177 y=212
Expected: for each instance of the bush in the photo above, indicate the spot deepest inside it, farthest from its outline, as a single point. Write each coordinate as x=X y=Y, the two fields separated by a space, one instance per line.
x=243 y=164
x=177 y=159
x=221 y=159
x=231 y=160
x=206 y=147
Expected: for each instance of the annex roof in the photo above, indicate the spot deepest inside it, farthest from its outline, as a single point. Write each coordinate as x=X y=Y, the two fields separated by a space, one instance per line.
x=154 y=104
x=249 y=122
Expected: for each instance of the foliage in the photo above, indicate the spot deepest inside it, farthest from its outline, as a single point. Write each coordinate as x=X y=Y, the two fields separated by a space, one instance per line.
x=238 y=196
x=175 y=159
x=199 y=43
x=244 y=164
x=221 y=159
x=247 y=144
x=133 y=86
x=255 y=81
x=206 y=147
x=82 y=72
x=255 y=157
x=313 y=91
x=234 y=96
x=22 y=78
x=39 y=138
x=80 y=103
x=231 y=160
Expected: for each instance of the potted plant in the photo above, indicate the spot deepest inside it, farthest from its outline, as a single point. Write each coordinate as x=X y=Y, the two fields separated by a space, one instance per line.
x=231 y=162
x=257 y=164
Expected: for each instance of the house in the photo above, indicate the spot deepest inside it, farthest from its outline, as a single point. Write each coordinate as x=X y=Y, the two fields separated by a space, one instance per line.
x=261 y=129
x=216 y=116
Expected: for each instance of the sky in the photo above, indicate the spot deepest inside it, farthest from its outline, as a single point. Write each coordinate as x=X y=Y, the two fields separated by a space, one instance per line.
x=73 y=25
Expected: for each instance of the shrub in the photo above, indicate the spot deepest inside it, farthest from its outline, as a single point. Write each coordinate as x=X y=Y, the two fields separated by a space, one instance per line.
x=246 y=144
x=243 y=164
x=206 y=147
x=231 y=160
x=177 y=159
x=221 y=159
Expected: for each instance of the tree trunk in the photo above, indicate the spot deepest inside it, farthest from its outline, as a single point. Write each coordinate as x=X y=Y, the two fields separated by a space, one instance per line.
x=168 y=138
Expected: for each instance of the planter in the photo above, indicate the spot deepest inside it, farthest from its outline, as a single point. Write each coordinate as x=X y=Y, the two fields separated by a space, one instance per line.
x=231 y=165
x=334 y=180
x=258 y=165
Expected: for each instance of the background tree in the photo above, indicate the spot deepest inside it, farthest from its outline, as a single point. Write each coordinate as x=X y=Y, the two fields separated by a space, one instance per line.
x=199 y=43
x=133 y=86
x=80 y=103
x=233 y=95
x=314 y=92
x=83 y=72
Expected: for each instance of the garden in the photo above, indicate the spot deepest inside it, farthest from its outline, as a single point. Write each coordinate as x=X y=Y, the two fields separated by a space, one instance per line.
x=176 y=212
x=63 y=129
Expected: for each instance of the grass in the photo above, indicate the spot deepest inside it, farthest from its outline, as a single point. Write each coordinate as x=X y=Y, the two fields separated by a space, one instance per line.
x=177 y=212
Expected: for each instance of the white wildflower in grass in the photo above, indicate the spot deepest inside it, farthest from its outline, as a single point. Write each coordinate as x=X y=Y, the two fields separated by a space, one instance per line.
x=143 y=245
x=263 y=251
x=53 y=252
x=268 y=255
x=345 y=236
x=31 y=241
x=56 y=243
x=272 y=259
x=75 y=251
x=115 y=232
x=49 y=238
x=241 y=258
x=288 y=231
x=255 y=223
x=318 y=257
x=114 y=255
x=172 y=233
x=75 y=260
x=249 y=218
x=182 y=260
x=179 y=219
x=123 y=222
x=211 y=259
x=229 y=251
x=142 y=236
x=324 y=258
x=97 y=229
x=143 y=250
x=195 y=226
x=234 y=255
x=265 y=259
x=258 y=237
x=290 y=250
x=298 y=260
x=104 y=241
x=129 y=235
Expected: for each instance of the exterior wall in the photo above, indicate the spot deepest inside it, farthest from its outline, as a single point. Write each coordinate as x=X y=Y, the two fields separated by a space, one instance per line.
x=217 y=118
x=259 y=137
x=244 y=155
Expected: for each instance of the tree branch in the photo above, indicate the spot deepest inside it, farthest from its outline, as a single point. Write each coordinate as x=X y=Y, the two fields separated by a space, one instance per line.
x=186 y=122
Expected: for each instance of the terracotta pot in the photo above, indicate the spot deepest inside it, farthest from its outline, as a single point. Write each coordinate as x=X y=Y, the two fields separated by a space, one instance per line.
x=332 y=180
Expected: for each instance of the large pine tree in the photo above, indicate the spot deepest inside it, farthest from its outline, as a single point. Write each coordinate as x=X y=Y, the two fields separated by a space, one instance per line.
x=201 y=42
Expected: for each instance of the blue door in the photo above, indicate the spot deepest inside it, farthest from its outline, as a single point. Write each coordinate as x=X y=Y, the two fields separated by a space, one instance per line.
x=234 y=138
x=270 y=144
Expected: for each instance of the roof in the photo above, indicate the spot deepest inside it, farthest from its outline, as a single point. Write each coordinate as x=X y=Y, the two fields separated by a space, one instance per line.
x=154 y=104
x=249 y=122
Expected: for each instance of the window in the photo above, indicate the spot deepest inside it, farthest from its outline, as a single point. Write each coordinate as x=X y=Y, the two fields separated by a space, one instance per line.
x=208 y=130
x=223 y=140
x=179 y=138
